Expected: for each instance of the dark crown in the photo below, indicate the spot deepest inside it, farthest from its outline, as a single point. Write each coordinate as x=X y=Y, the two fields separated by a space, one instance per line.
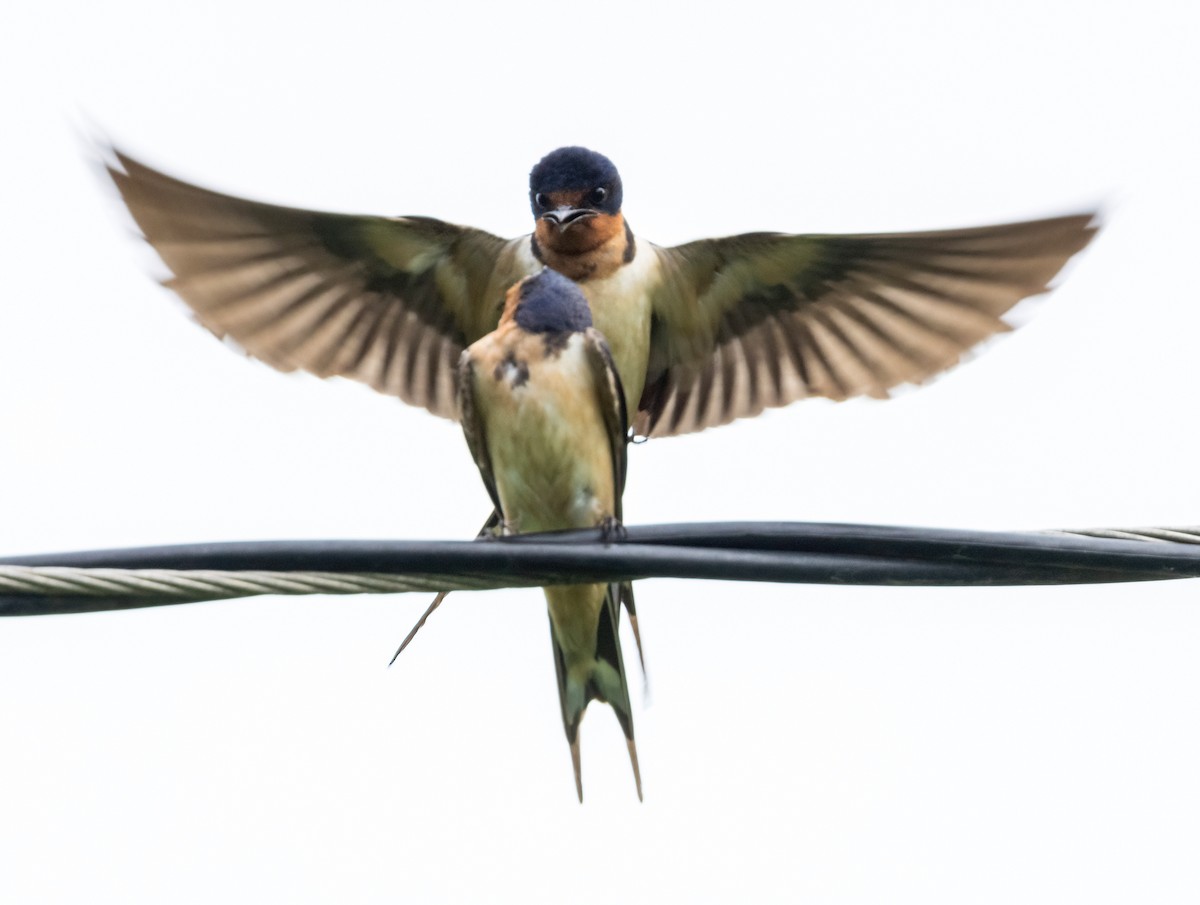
x=575 y=169
x=551 y=303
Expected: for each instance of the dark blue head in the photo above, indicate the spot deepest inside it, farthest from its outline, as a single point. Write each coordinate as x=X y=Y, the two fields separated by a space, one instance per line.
x=577 y=171
x=550 y=303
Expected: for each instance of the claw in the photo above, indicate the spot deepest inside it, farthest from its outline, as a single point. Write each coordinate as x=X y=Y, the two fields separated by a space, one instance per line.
x=611 y=530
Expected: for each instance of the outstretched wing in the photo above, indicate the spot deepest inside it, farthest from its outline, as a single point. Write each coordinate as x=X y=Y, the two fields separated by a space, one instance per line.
x=760 y=320
x=391 y=302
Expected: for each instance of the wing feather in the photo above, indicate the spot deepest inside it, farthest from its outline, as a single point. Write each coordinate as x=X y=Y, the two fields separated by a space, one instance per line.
x=390 y=302
x=763 y=319
x=472 y=425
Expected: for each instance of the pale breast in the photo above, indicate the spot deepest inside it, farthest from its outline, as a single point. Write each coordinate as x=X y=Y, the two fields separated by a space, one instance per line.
x=544 y=430
x=621 y=311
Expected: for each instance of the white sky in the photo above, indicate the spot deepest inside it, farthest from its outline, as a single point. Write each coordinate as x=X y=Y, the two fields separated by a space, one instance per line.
x=801 y=743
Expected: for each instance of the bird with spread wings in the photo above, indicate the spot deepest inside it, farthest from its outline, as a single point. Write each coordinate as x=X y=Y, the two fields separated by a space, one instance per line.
x=702 y=333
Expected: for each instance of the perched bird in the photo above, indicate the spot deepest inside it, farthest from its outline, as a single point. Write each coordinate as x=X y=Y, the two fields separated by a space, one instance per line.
x=543 y=412
x=701 y=333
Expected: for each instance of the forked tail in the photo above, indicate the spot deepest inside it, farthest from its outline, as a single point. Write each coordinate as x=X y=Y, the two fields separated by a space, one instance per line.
x=584 y=677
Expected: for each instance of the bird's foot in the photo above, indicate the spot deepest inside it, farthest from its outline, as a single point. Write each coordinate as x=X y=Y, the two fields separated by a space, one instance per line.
x=611 y=530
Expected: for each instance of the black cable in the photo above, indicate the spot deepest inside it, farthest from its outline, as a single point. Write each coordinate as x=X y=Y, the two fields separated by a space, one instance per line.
x=742 y=551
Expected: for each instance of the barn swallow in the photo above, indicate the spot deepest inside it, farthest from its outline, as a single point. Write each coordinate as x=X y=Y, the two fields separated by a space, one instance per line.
x=543 y=412
x=701 y=333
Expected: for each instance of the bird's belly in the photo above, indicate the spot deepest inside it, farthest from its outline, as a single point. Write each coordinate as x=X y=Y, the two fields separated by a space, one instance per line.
x=551 y=456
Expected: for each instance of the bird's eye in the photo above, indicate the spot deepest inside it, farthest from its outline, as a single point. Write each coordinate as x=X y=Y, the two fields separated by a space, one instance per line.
x=541 y=200
x=598 y=195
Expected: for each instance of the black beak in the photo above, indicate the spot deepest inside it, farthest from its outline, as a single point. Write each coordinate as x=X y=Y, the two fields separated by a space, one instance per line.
x=565 y=216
